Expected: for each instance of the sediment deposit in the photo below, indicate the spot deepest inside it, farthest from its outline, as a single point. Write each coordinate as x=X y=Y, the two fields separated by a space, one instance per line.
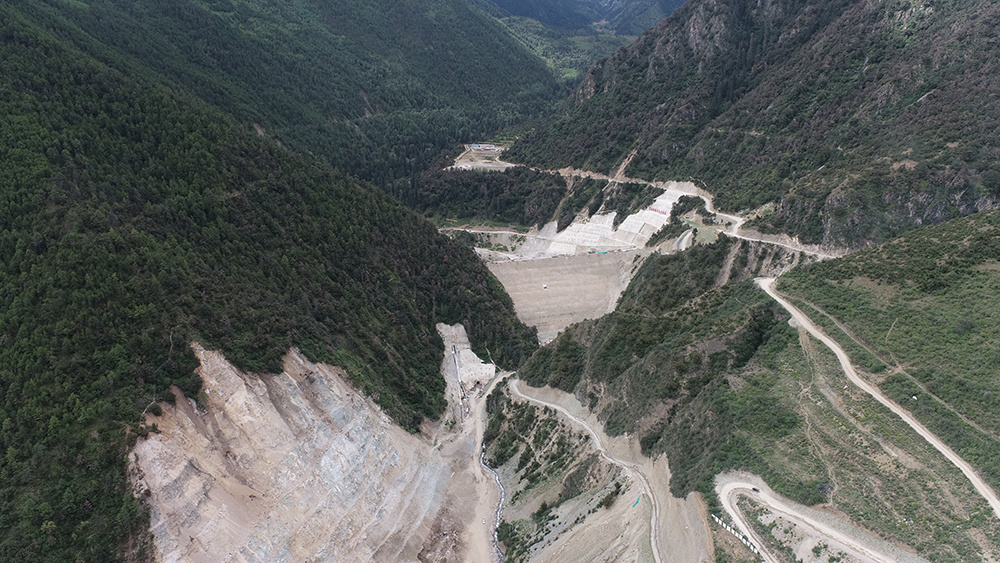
x=553 y=293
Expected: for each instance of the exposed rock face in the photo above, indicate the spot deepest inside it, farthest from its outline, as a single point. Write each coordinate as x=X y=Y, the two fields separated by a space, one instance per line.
x=291 y=467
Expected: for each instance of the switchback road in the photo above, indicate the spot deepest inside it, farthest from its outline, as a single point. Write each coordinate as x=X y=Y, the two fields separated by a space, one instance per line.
x=767 y=284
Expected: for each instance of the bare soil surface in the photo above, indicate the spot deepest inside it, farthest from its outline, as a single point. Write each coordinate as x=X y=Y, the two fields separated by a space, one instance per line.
x=553 y=293
x=586 y=234
x=481 y=159
x=678 y=528
x=299 y=466
x=472 y=488
x=730 y=224
x=618 y=533
x=557 y=278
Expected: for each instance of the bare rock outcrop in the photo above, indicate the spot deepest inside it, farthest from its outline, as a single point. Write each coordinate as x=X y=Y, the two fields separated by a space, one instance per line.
x=292 y=467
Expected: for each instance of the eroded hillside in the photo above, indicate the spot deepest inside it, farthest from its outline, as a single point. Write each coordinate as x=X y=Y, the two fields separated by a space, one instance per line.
x=299 y=466
x=136 y=218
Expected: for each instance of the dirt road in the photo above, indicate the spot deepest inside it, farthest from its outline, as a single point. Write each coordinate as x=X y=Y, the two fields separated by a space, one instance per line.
x=631 y=469
x=810 y=522
x=733 y=223
x=727 y=496
x=767 y=284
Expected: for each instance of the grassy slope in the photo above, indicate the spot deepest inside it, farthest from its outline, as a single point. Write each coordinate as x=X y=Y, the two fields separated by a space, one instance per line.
x=567 y=52
x=134 y=219
x=924 y=305
x=861 y=120
x=670 y=344
x=630 y=17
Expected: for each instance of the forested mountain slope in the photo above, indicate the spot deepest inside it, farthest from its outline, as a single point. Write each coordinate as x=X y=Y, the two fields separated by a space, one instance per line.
x=634 y=17
x=135 y=218
x=374 y=88
x=857 y=119
x=624 y=17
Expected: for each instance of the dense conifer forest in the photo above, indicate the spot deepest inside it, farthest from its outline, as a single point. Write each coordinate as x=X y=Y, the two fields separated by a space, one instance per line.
x=136 y=218
x=377 y=89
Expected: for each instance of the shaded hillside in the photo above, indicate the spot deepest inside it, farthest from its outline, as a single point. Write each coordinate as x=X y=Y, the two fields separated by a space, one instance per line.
x=135 y=219
x=375 y=88
x=857 y=119
x=518 y=196
x=571 y=14
x=623 y=17
x=633 y=17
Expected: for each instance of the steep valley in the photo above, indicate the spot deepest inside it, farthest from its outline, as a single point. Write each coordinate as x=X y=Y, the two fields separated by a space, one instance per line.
x=791 y=409
x=853 y=120
x=734 y=299
x=300 y=465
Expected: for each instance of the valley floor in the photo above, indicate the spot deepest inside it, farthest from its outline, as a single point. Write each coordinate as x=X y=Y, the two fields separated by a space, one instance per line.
x=552 y=293
x=677 y=528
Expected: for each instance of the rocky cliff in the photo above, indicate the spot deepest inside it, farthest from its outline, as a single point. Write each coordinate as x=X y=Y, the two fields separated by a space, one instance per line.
x=296 y=467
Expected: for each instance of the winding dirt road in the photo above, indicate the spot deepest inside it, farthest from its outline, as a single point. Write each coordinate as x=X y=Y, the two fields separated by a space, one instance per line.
x=767 y=284
x=728 y=494
x=730 y=487
x=633 y=470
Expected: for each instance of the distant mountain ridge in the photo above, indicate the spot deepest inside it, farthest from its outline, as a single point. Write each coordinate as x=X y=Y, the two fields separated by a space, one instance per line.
x=854 y=120
x=624 y=17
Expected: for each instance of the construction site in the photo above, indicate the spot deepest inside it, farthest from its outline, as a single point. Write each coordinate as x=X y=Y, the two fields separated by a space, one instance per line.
x=557 y=278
